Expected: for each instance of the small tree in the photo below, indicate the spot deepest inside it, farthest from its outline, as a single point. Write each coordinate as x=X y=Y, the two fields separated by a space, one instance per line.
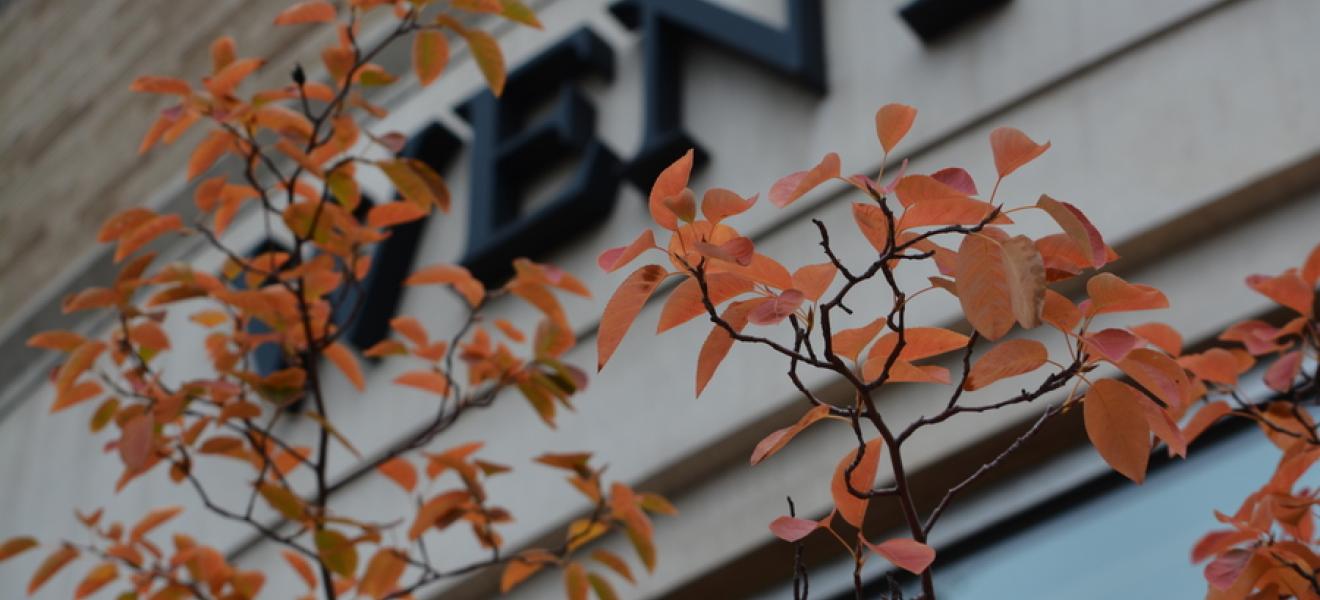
x=851 y=321
x=300 y=148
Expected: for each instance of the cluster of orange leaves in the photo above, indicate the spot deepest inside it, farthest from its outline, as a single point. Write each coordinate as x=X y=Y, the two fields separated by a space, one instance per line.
x=1000 y=280
x=229 y=412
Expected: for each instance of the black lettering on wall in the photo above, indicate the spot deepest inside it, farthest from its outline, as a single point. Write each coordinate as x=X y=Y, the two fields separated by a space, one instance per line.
x=508 y=153
x=796 y=52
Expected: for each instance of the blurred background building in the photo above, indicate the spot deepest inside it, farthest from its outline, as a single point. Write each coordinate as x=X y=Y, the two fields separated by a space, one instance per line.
x=1187 y=129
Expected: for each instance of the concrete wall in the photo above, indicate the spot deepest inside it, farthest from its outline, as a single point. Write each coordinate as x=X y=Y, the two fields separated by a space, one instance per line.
x=1183 y=128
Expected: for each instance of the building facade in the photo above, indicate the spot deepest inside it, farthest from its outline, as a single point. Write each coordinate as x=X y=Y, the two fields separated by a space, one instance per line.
x=1186 y=129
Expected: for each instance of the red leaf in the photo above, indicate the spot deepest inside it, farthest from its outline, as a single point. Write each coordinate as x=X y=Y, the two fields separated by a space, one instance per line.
x=792 y=529
x=1078 y=228
x=1111 y=344
x=777 y=309
x=956 y=178
x=1281 y=375
x=907 y=554
x=791 y=187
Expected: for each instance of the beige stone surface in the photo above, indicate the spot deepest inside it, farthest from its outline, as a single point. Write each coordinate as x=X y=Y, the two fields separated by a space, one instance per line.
x=70 y=131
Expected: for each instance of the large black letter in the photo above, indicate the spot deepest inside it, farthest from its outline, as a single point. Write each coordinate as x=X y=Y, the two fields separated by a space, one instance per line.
x=797 y=52
x=507 y=153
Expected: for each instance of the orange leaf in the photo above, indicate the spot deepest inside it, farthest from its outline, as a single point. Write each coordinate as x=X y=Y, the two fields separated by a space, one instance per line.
x=301 y=567
x=873 y=223
x=1217 y=365
x=792 y=529
x=718 y=204
x=623 y=307
x=16 y=545
x=97 y=578
x=1078 y=228
x=1060 y=311
x=892 y=122
x=1159 y=374
x=614 y=562
x=312 y=11
x=427 y=381
x=739 y=251
x=337 y=552
x=347 y=364
x=516 y=572
x=489 y=58
x=430 y=54
x=53 y=563
x=1012 y=149
x=390 y=214
x=999 y=283
x=776 y=441
x=464 y=283
x=849 y=342
x=1162 y=336
x=150 y=84
x=401 y=471
x=718 y=341
x=1117 y=427
x=382 y=575
x=907 y=554
x=1288 y=289
x=614 y=258
x=671 y=182
x=685 y=302
x=1008 y=359
x=1311 y=268
x=1204 y=418
x=79 y=393
x=223 y=52
x=137 y=442
x=228 y=78
x=1281 y=375
x=791 y=187
x=575 y=582
x=814 y=280
x=434 y=509
x=417 y=182
x=145 y=233
x=1109 y=293
x=952 y=210
x=64 y=341
x=852 y=508
x=152 y=520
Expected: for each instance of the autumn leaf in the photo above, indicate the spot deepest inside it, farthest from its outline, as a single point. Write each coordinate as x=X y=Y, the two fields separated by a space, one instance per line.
x=718 y=204
x=1012 y=149
x=382 y=575
x=337 y=552
x=427 y=381
x=1078 y=228
x=347 y=364
x=458 y=276
x=137 y=443
x=792 y=529
x=622 y=309
x=486 y=52
x=614 y=562
x=153 y=519
x=144 y=233
x=852 y=508
x=312 y=11
x=791 y=187
x=1010 y=358
x=848 y=343
x=686 y=301
x=907 y=554
x=719 y=342
x=16 y=545
x=516 y=572
x=430 y=54
x=671 y=182
x=301 y=567
x=739 y=251
x=401 y=472
x=873 y=223
x=814 y=280
x=956 y=178
x=1117 y=427
x=150 y=84
x=57 y=560
x=1287 y=289
x=615 y=258
x=892 y=122
x=100 y=576
x=1162 y=336
x=776 y=441
x=999 y=283
x=417 y=182
x=1110 y=294
x=575 y=582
